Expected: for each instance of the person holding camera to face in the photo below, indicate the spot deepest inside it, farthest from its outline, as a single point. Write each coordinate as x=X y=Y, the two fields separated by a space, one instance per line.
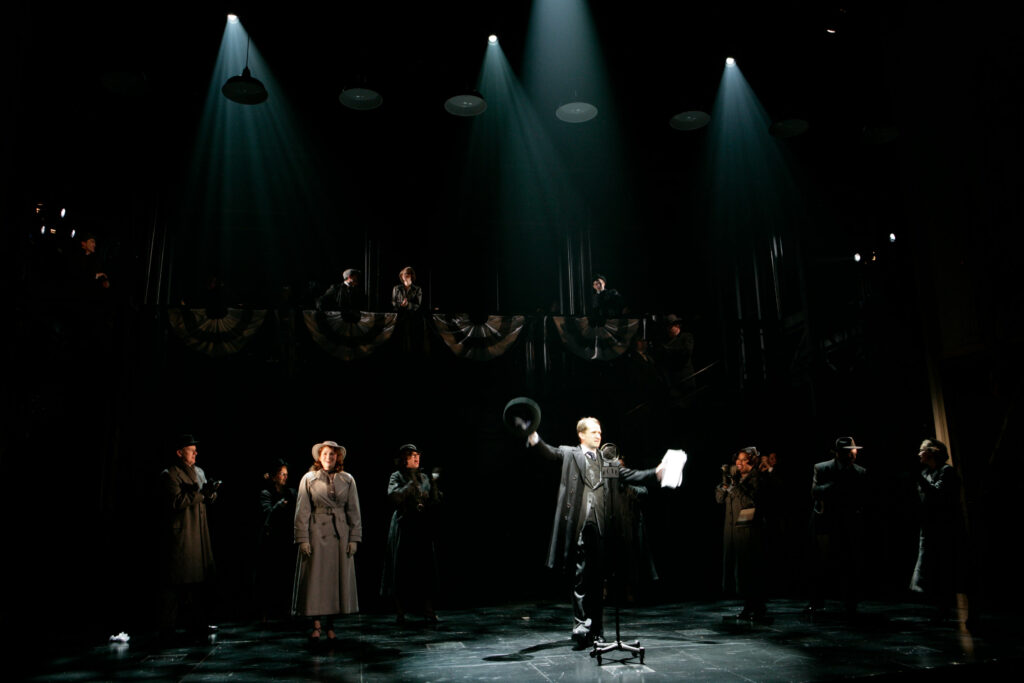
x=743 y=533
x=940 y=570
x=410 y=576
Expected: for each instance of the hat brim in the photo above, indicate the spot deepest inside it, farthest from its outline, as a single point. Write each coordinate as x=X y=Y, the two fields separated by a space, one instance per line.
x=521 y=416
x=332 y=444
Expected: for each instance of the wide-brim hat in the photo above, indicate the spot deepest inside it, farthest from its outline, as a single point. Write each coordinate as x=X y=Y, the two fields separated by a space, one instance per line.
x=521 y=416
x=847 y=443
x=184 y=440
x=332 y=444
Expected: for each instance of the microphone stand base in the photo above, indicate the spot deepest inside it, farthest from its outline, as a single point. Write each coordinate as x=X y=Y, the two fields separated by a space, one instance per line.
x=601 y=649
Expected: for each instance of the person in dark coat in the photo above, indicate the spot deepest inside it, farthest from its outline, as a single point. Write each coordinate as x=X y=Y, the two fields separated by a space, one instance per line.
x=940 y=571
x=187 y=554
x=347 y=296
x=407 y=296
x=577 y=534
x=743 y=533
x=276 y=552
x=605 y=302
x=840 y=494
x=88 y=272
x=410 y=564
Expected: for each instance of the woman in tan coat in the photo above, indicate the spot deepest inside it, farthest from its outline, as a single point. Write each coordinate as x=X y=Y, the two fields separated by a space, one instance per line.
x=328 y=529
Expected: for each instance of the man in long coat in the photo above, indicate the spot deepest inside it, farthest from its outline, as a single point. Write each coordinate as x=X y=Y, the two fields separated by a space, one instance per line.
x=840 y=494
x=187 y=561
x=578 y=532
x=345 y=296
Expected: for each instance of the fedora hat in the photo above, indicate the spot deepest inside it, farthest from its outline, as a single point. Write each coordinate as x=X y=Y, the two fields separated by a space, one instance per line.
x=521 y=416
x=332 y=444
x=848 y=443
x=184 y=440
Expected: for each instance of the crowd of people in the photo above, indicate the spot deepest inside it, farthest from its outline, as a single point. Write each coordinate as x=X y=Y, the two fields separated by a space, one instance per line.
x=311 y=534
x=308 y=539
x=349 y=295
x=840 y=494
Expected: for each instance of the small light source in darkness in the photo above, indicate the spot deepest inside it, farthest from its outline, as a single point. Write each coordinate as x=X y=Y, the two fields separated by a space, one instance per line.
x=856 y=257
x=830 y=30
x=233 y=18
x=492 y=39
x=63 y=212
x=892 y=237
x=73 y=231
x=729 y=61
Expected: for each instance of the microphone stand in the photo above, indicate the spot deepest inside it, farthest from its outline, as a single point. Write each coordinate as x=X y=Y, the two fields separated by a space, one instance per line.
x=610 y=477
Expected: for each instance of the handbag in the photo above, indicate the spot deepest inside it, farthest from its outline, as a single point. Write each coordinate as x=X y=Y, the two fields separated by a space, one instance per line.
x=746 y=517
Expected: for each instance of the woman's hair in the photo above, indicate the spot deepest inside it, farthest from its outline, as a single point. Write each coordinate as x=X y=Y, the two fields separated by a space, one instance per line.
x=937 y=449
x=409 y=270
x=753 y=455
x=275 y=467
x=337 y=464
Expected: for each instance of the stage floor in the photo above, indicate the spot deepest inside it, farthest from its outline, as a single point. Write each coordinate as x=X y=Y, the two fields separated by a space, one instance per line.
x=530 y=642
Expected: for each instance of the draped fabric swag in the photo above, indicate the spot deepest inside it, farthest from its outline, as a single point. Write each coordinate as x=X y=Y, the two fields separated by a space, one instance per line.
x=587 y=339
x=346 y=338
x=479 y=341
x=215 y=337
x=353 y=335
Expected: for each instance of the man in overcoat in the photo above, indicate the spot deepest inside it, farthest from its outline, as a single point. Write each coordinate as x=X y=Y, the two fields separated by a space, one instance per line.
x=187 y=556
x=579 y=529
x=840 y=494
x=346 y=296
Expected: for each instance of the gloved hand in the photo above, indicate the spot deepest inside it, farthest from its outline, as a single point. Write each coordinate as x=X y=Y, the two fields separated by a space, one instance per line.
x=352 y=546
x=305 y=549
